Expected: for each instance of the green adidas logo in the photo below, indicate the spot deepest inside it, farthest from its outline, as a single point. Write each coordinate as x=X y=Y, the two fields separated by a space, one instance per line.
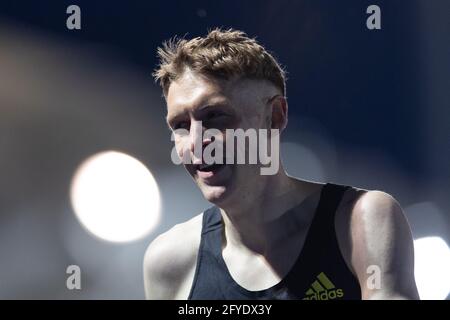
x=323 y=289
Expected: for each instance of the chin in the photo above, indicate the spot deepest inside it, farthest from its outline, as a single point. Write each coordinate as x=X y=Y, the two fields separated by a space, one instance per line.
x=215 y=194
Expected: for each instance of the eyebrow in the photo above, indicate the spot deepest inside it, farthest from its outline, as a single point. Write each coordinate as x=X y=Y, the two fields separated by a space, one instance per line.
x=203 y=108
x=222 y=104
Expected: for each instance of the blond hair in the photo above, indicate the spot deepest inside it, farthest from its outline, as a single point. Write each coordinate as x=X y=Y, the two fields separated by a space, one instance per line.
x=221 y=54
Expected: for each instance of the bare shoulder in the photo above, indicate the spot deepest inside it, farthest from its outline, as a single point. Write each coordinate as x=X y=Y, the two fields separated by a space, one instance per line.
x=371 y=207
x=351 y=196
x=176 y=245
x=356 y=217
x=171 y=258
x=362 y=211
x=373 y=232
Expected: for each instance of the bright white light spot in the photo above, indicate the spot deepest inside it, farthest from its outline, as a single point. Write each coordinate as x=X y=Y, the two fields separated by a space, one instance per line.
x=432 y=265
x=115 y=197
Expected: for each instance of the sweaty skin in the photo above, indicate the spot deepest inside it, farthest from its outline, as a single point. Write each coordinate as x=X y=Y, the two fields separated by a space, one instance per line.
x=260 y=243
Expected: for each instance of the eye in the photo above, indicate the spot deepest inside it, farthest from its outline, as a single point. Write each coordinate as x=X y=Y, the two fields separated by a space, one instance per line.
x=214 y=114
x=217 y=119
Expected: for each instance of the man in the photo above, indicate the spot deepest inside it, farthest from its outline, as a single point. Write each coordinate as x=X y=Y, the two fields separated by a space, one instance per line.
x=266 y=236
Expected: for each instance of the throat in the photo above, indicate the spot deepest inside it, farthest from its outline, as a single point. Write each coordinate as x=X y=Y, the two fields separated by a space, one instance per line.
x=265 y=270
x=263 y=236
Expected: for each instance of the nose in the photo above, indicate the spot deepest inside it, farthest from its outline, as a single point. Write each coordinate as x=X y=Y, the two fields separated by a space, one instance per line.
x=197 y=141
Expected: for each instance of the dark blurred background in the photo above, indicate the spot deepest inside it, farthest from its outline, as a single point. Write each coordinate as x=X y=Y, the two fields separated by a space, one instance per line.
x=369 y=108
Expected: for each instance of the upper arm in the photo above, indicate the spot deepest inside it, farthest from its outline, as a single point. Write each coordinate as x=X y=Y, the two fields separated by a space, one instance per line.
x=170 y=260
x=156 y=276
x=160 y=273
x=382 y=253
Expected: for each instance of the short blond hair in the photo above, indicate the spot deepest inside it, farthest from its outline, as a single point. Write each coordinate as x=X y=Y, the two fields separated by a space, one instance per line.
x=221 y=54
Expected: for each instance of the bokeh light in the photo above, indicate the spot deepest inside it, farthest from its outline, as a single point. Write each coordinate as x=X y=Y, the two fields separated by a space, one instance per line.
x=115 y=197
x=432 y=263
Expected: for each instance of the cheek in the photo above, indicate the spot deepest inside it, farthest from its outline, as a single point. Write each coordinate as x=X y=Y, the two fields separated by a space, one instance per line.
x=182 y=145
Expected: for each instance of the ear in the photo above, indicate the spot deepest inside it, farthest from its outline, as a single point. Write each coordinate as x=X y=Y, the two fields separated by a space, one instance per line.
x=279 y=112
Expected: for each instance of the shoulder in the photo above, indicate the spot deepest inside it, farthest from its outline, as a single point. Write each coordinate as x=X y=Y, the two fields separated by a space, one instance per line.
x=360 y=204
x=371 y=213
x=176 y=245
x=375 y=212
x=378 y=237
x=170 y=258
x=376 y=204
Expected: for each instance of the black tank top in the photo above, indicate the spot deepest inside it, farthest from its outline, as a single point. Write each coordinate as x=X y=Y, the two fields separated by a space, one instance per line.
x=319 y=273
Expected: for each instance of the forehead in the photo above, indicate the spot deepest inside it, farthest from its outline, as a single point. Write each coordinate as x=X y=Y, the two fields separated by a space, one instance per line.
x=191 y=90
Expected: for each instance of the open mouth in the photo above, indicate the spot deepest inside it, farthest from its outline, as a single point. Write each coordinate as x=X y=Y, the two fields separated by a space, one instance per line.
x=210 y=172
x=213 y=168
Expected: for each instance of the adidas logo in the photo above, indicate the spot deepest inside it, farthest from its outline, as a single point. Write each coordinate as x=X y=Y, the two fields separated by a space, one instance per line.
x=323 y=289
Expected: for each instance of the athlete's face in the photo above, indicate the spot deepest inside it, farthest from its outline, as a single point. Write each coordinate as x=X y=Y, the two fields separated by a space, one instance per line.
x=197 y=103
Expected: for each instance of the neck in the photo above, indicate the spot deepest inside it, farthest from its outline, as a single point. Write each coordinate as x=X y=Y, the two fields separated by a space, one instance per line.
x=253 y=220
